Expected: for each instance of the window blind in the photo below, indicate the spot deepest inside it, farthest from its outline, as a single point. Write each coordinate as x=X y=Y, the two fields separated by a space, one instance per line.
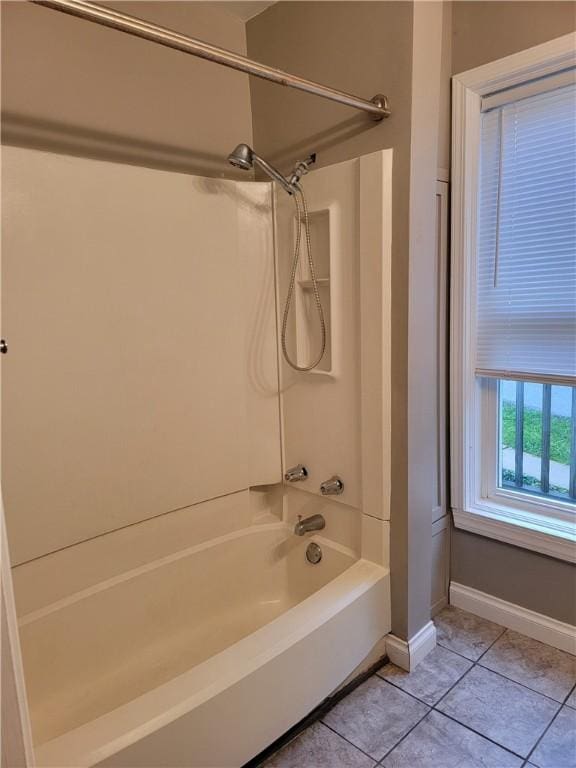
x=526 y=249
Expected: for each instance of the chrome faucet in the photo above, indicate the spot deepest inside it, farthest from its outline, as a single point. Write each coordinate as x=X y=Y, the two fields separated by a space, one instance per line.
x=295 y=474
x=312 y=523
x=332 y=487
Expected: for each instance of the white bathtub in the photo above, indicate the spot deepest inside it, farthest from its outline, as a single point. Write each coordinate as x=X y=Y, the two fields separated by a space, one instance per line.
x=201 y=658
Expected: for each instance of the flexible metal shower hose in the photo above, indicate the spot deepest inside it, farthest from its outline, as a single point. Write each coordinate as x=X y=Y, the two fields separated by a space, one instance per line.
x=290 y=294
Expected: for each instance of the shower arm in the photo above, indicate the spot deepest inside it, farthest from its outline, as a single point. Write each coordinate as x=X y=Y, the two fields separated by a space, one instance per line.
x=377 y=107
x=276 y=175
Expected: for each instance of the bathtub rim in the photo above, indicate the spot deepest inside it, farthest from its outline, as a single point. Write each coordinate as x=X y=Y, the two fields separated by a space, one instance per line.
x=180 y=554
x=99 y=739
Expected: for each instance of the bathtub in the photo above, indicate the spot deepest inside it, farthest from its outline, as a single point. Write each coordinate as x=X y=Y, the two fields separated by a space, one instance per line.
x=201 y=658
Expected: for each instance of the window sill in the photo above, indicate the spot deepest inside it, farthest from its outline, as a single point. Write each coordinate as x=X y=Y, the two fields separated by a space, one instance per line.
x=536 y=532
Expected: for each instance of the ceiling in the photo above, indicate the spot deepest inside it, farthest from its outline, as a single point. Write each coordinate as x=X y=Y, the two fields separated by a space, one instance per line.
x=245 y=10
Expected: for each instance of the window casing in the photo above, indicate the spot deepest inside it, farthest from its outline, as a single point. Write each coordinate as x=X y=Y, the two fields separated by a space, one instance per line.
x=481 y=501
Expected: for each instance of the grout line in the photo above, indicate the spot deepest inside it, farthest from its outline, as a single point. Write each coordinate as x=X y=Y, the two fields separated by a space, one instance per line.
x=527 y=687
x=545 y=731
x=434 y=706
x=479 y=733
x=422 y=701
x=485 y=651
x=493 y=643
x=447 y=648
x=424 y=716
x=329 y=727
x=570 y=692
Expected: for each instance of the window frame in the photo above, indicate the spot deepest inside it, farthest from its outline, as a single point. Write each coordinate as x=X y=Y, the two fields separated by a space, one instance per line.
x=478 y=505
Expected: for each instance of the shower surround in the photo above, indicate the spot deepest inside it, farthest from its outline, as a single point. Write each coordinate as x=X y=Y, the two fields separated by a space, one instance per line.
x=165 y=592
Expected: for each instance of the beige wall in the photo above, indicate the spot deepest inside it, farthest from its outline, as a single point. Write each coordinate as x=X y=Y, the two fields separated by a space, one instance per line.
x=75 y=87
x=444 y=127
x=142 y=376
x=483 y=32
x=360 y=47
x=522 y=577
x=486 y=31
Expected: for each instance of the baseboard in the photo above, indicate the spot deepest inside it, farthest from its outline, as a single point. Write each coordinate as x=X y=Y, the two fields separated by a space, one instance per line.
x=535 y=625
x=407 y=654
x=438 y=605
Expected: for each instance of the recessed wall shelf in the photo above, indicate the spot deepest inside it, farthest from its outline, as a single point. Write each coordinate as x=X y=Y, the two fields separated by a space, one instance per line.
x=308 y=285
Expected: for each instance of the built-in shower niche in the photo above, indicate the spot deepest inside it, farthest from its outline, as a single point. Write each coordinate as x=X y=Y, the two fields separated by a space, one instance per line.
x=308 y=331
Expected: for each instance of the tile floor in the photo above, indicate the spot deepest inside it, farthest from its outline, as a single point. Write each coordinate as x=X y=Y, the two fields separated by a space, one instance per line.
x=486 y=697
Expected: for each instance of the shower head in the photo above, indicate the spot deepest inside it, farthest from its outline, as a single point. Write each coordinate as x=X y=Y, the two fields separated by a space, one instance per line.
x=244 y=157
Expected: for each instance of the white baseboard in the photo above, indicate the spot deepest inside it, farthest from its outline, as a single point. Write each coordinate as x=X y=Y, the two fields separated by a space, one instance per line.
x=407 y=654
x=438 y=605
x=534 y=625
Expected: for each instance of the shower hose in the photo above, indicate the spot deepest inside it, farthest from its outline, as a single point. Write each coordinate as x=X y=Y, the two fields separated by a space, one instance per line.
x=302 y=215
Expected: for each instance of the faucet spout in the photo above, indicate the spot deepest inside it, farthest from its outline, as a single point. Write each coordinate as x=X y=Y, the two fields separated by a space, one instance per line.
x=308 y=524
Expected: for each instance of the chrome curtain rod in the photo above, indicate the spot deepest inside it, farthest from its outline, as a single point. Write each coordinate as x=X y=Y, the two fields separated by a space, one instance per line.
x=377 y=107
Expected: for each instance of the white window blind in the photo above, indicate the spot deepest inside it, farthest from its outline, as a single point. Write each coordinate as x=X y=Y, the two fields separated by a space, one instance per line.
x=526 y=255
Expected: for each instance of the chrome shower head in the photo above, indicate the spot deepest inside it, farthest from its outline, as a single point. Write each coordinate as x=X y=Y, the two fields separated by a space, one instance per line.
x=242 y=157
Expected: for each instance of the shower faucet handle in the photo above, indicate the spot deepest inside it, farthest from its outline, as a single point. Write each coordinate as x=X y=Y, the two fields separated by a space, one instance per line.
x=332 y=487
x=295 y=474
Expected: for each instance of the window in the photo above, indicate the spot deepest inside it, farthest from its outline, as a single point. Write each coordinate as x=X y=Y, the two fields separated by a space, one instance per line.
x=513 y=354
x=536 y=445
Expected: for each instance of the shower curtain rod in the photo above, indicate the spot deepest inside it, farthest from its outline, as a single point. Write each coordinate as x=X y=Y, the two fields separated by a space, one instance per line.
x=377 y=107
